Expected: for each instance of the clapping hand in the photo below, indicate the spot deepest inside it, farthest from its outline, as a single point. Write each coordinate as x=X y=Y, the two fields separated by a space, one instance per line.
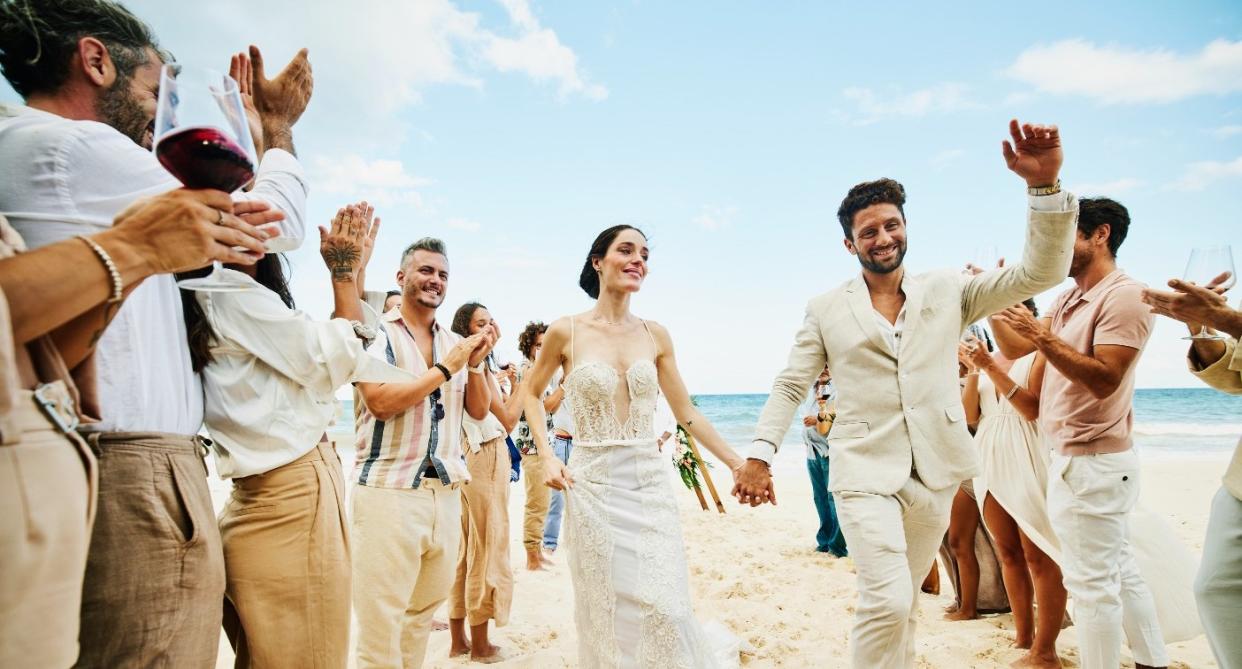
x=342 y=245
x=280 y=101
x=1020 y=320
x=1196 y=306
x=978 y=357
x=487 y=340
x=241 y=71
x=1035 y=153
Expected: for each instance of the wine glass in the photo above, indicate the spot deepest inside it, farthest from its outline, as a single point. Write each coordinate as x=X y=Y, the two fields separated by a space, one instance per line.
x=974 y=338
x=1205 y=265
x=202 y=138
x=985 y=257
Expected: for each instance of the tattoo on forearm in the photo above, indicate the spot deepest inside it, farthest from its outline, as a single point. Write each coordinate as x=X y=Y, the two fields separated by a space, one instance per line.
x=342 y=260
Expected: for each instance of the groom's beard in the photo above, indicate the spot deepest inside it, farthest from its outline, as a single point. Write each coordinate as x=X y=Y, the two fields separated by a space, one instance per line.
x=886 y=266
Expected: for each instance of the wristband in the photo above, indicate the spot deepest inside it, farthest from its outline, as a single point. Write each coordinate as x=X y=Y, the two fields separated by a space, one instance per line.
x=1045 y=190
x=1012 y=391
x=478 y=369
x=448 y=376
x=118 y=286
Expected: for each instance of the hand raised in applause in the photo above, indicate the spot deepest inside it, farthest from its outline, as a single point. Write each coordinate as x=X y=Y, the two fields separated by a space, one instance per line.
x=1020 y=320
x=461 y=352
x=752 y=483
x=280 y=101
x=488 y=334
x=241 y=71
x=979 y=357
x=187 y=229
x=1035 y=154
x=341 y=246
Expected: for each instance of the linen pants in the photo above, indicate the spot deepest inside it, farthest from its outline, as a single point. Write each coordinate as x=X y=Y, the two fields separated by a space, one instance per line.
x=286 y=557
x=1218 y=587
x=829 y=538
x=893 y=539
x=556 y=503
x=47 y=499
x=483 y=586
x=538 y=498
x=154 y=588
x=1089 y=503
x=405 y=543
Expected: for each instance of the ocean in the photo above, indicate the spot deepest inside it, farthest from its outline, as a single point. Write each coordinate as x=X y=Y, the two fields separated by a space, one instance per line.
x=1175 y=422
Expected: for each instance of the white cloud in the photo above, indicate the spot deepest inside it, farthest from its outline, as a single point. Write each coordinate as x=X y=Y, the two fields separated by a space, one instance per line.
x=942 y=160
x=714 y=218
x=1226 y=131
x=939 y=99
x=1118 y=75
x=380 y=182
x=1203 y=174
x=463 y=224
x=1107 y=187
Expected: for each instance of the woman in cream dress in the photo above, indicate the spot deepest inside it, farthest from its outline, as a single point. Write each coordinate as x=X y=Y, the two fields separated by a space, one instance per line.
x=626 y=556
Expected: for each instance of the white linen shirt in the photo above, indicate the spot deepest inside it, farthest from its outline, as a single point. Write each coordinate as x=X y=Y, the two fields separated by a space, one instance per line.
x=270 y=388
x=65 y=178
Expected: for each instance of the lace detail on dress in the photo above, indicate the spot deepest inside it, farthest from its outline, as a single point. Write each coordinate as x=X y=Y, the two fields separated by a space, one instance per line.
x=590 y=556
x=591 y=391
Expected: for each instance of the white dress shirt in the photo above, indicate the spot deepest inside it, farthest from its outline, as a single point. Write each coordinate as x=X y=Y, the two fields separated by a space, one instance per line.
x=270 y=389
x=64 y=178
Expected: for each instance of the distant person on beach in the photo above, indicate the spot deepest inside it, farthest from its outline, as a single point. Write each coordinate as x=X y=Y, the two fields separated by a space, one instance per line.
x=1091 y=338
x=74 y=157
x=483 y=587
x=259 y=357
x=1218 y=363
x=406 y=528
x=535 y=514
x=899 y=445
x=1003 y=398
x=817 y=415
x=49 y=472
x=392 y=300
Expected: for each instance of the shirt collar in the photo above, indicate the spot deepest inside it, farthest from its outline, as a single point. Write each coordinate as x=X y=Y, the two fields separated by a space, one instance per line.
x=1109 y=280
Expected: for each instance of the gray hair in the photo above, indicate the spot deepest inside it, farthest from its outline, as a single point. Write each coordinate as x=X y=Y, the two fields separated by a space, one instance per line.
x=429 y=244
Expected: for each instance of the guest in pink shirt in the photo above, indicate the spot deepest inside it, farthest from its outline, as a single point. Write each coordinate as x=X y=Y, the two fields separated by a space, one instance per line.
x=1092 y=338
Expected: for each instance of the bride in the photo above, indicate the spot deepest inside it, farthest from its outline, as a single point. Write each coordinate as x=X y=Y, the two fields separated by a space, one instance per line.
x=626 y=556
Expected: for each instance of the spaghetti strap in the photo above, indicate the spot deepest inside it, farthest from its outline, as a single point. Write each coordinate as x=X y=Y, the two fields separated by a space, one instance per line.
x=571 y=343
x=650 y=336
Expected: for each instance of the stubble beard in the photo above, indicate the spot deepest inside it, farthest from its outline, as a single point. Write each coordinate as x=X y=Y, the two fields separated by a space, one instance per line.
x=884 y=268
x=118 y=108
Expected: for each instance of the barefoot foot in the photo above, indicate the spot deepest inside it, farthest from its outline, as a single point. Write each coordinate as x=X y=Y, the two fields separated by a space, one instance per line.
x=961 y=614
x=1037 y=661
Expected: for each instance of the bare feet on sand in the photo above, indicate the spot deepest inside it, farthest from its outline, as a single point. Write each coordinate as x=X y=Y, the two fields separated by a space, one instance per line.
x=456 y=650
x=535 y=561
x=492 y=656
x=1033 y=661
x=960 y=614
x=952 y=608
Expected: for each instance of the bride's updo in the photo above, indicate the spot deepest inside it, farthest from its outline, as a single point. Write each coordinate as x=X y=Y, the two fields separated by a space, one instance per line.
x=589 y=279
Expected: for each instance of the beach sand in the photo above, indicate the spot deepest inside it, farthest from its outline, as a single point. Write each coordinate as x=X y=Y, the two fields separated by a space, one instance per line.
x=755 y=570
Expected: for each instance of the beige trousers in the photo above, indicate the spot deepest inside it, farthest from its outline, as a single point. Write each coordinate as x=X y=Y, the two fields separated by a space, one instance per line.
x=286 y=558
x=405 y=544
x=538 y=497
x=47 y=493
x=154 y=588
x=483 y=588
x=893 y=540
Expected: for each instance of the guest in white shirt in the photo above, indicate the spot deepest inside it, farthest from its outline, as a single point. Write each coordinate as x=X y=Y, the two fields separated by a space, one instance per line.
x=483 y=588
x=74 y=157
x=269 y=375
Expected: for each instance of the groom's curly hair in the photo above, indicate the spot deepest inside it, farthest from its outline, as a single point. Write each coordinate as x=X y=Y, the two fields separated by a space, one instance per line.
x=880 y=191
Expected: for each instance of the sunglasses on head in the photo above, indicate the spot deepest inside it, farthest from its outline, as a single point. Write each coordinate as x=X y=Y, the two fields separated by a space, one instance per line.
x=437 y=407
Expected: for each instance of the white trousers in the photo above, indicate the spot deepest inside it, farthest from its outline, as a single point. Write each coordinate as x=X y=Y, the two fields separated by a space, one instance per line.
x=1089 y=502
x=893 y=540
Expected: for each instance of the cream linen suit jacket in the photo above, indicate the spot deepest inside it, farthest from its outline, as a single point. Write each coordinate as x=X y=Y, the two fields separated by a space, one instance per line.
x=898 y=414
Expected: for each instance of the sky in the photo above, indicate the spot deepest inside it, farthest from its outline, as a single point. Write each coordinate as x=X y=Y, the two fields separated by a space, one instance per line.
x=729 y=132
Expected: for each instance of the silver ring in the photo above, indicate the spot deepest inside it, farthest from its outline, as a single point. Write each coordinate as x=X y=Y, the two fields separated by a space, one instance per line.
x=219 y=217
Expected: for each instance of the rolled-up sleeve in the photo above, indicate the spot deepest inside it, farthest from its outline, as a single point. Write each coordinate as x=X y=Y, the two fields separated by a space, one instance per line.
x=1225 y=374
x=281 y=182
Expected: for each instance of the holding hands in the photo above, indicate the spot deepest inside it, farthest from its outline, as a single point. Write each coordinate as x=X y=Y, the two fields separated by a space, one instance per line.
x=1034 y=153
x=752 y=483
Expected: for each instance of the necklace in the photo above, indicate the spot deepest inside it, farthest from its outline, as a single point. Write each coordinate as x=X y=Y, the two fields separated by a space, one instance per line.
x=605 y=321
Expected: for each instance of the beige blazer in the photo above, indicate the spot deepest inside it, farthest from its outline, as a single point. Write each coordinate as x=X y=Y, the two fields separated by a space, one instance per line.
x=1226 y=375
x=898 y=414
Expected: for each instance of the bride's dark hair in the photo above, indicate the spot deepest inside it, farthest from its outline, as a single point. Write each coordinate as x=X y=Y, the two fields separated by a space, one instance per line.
x=589 y=279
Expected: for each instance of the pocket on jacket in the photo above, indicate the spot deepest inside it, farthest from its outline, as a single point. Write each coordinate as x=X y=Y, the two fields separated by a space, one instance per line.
x=855 y=429
x=955 y=413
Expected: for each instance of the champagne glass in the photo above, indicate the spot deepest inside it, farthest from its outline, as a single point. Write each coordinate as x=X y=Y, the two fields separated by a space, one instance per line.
x=202 y=138
x=1205 y=265
x=986 y=257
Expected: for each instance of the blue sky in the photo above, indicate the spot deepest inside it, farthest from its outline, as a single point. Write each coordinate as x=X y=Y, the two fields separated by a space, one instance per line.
x=729 y=132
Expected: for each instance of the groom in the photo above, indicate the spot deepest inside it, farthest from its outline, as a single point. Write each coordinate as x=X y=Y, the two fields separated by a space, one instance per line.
x=900 y=445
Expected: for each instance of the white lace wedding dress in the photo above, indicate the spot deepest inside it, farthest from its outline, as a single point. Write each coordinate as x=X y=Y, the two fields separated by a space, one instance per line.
x=626 y=555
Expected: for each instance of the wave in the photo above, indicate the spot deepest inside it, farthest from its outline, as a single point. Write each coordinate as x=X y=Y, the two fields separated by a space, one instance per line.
x=1188 y=429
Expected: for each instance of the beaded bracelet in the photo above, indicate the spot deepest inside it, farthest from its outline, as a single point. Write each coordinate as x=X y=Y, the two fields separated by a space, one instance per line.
x=118 y=286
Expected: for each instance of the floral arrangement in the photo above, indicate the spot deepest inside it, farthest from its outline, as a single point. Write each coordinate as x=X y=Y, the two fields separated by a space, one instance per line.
x=684 y=460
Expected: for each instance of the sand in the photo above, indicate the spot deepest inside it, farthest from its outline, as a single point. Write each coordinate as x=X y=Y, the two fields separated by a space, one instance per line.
x=755 y=570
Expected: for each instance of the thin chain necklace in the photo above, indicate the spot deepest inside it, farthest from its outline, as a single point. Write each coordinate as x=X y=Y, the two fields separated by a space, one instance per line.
x=605 y=321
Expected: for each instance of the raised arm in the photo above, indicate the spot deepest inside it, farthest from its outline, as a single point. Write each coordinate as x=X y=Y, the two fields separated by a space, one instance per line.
x=1035 y=156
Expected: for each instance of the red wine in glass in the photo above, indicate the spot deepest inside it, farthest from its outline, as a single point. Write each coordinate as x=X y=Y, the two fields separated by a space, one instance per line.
x=205 y=157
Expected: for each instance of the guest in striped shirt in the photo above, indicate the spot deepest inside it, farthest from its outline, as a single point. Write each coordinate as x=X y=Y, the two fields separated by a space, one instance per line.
x=406 y=505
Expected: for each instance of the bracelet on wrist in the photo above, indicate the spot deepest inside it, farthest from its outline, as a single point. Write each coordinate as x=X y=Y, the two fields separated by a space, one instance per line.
x=478 y=369
x=1040 y=191
x=448 y=376
x=118 y=286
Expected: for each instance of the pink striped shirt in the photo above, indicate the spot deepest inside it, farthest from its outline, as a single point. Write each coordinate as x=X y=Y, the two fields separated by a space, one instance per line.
x=397 y=453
